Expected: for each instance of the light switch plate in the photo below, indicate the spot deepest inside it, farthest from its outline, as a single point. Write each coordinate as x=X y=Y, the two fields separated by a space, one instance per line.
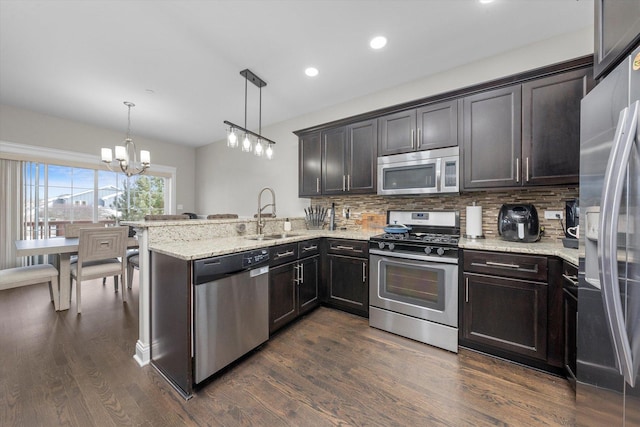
x=553 y=215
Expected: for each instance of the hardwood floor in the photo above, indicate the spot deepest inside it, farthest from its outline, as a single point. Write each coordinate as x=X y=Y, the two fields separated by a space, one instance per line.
x=330 y=368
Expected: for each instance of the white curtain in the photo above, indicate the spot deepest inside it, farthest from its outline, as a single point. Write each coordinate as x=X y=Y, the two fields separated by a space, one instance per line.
x=10 y=211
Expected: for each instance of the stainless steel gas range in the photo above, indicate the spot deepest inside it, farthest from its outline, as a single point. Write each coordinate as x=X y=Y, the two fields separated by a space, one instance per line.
x=414 y=277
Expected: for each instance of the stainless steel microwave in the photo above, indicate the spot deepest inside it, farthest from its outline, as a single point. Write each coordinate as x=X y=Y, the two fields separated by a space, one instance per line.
x=421 y=172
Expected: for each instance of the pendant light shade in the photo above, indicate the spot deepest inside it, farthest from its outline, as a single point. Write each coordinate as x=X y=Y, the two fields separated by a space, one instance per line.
x=247 y=145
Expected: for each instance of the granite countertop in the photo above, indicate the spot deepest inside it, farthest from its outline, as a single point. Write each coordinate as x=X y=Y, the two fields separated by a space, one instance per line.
x=191 y=250
x=553 y=248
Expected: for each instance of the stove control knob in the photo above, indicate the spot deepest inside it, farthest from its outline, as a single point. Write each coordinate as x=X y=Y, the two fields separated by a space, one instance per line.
x=381 y=245
x=392 y=246
x=427 y=250
x=440 y=251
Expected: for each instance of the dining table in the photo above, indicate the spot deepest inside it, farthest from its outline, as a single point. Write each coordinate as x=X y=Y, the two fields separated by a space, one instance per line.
x=62 y=248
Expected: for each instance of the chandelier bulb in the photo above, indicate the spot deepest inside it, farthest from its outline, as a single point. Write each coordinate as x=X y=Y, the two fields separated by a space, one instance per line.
x=269 y=152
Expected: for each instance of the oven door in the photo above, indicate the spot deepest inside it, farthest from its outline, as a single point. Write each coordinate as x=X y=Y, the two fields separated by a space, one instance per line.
x=416 y=285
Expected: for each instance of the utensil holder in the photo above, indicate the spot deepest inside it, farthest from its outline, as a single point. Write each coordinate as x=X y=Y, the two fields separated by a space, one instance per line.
x=314 y=226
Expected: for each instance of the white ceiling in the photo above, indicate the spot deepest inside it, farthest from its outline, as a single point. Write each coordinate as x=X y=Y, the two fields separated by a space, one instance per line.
x=179 y=61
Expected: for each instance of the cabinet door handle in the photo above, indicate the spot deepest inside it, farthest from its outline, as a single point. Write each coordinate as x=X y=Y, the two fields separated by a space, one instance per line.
x=296 y=275
x=317 y=185
x=344 y=186
x=419 y=140
x=283 y=254
x=501 y=264
x=466 y=289
x=348 y=182
x=413 y=135
x=364 y=272
x=301 y=273
x=517 y=169
x=526 y=174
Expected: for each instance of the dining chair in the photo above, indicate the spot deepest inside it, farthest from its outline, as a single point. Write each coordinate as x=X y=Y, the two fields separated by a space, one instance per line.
x=133 y=261
x=73 y=230
x=102 y=252
x=31 y=275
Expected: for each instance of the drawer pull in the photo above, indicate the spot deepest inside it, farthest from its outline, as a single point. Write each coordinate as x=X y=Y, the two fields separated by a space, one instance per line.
x=572 y=279
x=345 y=248
x=501 y=264
x=310 y=248
x=283 y=254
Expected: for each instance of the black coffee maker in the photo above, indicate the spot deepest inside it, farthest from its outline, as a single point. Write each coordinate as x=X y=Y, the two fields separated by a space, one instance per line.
x=572 y=215
x=572 y=220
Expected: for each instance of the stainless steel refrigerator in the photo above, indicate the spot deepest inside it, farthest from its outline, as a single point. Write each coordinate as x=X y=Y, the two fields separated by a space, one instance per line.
x=608 y=332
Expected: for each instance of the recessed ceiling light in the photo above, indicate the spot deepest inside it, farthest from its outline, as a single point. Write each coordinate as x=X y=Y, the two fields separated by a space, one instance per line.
x=485 y=1
x=311 y=71
x=378 y=42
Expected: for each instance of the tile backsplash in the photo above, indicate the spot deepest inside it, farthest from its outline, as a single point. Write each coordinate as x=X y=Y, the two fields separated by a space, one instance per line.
x=543 y=198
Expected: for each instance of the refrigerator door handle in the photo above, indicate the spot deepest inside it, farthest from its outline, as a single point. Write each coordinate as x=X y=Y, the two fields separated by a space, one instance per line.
x=612 y=189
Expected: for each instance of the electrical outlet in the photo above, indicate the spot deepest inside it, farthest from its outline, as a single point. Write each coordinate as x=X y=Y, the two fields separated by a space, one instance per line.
x=553 y=215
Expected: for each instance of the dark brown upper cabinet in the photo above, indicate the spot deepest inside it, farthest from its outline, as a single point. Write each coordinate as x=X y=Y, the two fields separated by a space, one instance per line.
x=491 y=142
x=525 y=135
x=349 y=158
x=617 y=32
x=309 y=165
x=424 y=128
x=551 y=128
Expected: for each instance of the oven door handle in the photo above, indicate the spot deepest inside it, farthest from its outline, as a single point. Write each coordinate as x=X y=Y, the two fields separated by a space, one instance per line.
x=416 y=257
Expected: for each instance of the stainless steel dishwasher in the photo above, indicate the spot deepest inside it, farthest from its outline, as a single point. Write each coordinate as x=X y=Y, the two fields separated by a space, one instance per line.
x=231 y=314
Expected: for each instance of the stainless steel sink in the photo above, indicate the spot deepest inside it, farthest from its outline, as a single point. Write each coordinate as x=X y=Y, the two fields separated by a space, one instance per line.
x=271 y=236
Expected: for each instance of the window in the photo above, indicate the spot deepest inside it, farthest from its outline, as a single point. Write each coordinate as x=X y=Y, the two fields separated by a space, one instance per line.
x=55 y=195
x=44 y=188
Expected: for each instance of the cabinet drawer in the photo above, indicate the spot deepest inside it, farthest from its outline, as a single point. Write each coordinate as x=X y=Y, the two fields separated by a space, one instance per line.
x=356 y=248
x=506 y=264
x=283 y=253
x=308 y=248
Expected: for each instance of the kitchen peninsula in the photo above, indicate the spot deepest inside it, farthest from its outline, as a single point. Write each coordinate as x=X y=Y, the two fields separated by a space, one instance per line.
x=199 y=238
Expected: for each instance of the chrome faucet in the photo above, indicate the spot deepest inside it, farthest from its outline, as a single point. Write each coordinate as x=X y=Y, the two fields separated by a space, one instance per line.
x=261 y=223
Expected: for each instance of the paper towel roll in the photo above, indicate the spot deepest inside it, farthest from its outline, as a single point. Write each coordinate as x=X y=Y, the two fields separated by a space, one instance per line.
x=474 y=221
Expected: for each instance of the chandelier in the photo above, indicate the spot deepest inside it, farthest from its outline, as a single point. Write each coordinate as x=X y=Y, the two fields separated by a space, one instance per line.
x=261 y=146
x=126 y=156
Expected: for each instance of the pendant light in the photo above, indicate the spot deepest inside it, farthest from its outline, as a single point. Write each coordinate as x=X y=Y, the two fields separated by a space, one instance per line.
x=126 y=154
x=247 y=144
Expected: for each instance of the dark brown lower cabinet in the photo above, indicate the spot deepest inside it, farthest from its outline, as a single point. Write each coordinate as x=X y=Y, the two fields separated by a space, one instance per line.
x=293 y=286
x=348 y=284
x=309 y=284
x=346 y=275
x=508 y=314
x=511 y=306
x=282 y=296
x=570 y=317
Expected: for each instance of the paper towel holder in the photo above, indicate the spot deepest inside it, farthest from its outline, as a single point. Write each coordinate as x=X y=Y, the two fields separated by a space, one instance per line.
x=469 y=224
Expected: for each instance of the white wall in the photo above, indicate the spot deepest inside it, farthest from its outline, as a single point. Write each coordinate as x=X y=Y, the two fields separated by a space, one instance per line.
x=31 y=128
x=228 y=181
